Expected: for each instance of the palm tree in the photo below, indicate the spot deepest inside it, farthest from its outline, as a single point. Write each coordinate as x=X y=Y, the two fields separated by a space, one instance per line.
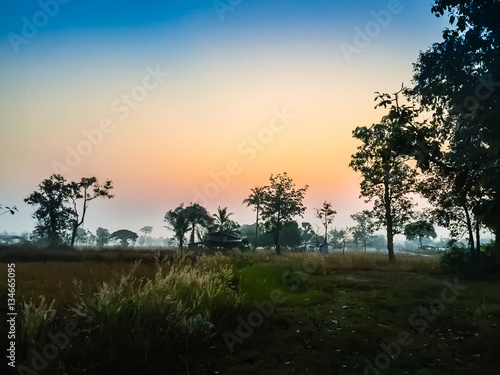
x=256 y=199
x=178 y=223
x=197 y=215
x=223 y=223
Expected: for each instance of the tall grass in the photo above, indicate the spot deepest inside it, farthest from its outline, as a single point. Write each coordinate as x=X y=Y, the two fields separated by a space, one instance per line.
x=142 y=323
x=164 y=319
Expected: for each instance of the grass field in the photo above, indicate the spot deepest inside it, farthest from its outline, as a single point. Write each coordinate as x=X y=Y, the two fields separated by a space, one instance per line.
x=251 y=314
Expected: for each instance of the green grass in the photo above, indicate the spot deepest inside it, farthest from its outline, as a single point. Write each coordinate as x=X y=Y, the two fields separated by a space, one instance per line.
x=170 y=316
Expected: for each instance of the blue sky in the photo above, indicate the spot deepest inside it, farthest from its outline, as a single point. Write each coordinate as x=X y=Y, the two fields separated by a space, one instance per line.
x=228 y=74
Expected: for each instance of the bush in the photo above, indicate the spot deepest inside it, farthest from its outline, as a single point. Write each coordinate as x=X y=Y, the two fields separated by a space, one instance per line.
x=458 y=259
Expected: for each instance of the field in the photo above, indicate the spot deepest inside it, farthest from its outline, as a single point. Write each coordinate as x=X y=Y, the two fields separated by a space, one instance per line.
x=250 y=313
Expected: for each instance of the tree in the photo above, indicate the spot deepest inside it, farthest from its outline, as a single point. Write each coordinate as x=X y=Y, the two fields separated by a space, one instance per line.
x=339 y=238
x=387 y=177
x=326 y=215
x=146 y=230
x=458 y=80
x=290 y=235
x=87 y=189
x=197 y=215
x=419 y=229
x=81 y=236
x=256 y=199
x=178 y=222
x=222 y=222
x=364 y=227
x=281 y=203
x=103 y=236
x=307 y=234
x=124 y=235
x=12 y=210
x=54 y=217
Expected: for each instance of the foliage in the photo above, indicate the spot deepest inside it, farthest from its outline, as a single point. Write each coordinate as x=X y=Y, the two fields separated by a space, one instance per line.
x=103 y=236
x=458 y=79
x=457 y=259
x=325 y=214
x=87 y=189
x=53 y=216
x=419 y=229
x=178 y=222
x=364 y=228
x=281 y=203
x=124 y=235
x=290 y=235
x=256 y=199
x=197 y=215
x=387 y=176
x=57 y=202
x=12 y=210
x=222 y=222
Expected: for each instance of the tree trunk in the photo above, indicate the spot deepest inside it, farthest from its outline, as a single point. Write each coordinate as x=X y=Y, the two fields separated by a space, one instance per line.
x=388 y=218
x=470 y=232
x=191 y=242
x=478 y=238
x=277 y=241
x=420 y=241
x=256 y=229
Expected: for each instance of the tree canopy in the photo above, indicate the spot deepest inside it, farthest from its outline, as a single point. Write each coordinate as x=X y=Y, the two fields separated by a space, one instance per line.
x=281 y=203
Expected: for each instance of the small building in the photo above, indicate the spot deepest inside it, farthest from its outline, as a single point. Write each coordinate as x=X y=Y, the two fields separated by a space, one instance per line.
x=223 y=240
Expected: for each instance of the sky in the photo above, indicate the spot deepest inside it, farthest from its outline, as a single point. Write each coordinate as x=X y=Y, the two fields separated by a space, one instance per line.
x=183 y=101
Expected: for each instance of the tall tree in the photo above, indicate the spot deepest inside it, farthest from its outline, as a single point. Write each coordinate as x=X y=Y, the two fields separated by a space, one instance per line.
x=197 y=215
x=326 y=215
x=458 y=80
x=255 y=199
x=86 y=190
x=364 y=227
x=178 y=222
x=281 y=203
x=146 y=230
x=53 y=215
x=387 y=176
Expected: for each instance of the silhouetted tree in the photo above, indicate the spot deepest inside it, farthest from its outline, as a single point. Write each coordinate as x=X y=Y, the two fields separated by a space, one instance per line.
x=255 y=199
x=290 y=235
x=178 y=222
x=102 y=236
x=53 y=216
x=86 y=190
x=364 y=227
x=458 y=81
x=197 y=215
x=222 y=222
x=326 y=215
x=281 y=203
x=387 y=177
x=419 y=229
x=124 y=235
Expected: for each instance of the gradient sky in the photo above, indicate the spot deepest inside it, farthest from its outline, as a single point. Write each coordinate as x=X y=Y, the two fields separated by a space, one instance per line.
x=186 y=90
